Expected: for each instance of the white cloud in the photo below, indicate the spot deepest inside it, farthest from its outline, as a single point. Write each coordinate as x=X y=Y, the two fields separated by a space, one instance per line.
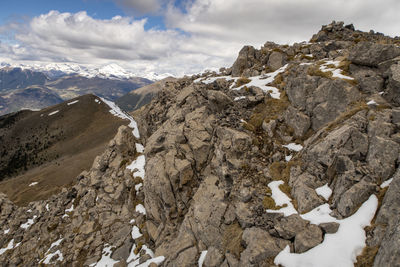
x=200 y=34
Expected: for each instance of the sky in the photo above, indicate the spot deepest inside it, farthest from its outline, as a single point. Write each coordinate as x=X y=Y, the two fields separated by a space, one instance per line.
x=171 y=36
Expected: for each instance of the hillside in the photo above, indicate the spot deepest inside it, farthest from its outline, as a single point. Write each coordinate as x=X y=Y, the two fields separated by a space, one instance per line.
x=142 y=96
x=288 y=158
x=50 y=147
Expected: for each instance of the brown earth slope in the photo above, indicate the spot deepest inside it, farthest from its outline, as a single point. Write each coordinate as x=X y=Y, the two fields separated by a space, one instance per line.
x=51 y=150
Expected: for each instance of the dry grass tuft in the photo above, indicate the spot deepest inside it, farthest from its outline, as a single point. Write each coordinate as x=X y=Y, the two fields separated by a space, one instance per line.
x=232 y=239
x=241 y=81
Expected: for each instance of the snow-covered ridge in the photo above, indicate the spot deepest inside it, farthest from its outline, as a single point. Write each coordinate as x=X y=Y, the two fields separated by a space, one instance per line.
x=110 y=71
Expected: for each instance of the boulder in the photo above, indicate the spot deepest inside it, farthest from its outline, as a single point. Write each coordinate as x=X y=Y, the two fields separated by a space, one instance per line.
x=288 y=227
x=246 y=59
x=276 y=60
x=352 y=199
x=260 y=246
x=310 y=237
x=371 y=54
x=298 y=121
x=213 y=258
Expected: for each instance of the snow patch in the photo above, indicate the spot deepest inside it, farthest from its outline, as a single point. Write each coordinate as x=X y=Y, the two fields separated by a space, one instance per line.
x=281 y=199
x=6 y=231
x=213 y=79
x=137 y=166
x=140 y=208
x=116 y=111
x=135 y=232
x=9 y=246
x=294 y=147
x=49 y=256
x=339 y=249
x=372 y=102
x=336 y=73
x=262 y=82
x=239 y=98
x=106 y=260
x=138 y=186
x=54 y=112
x=386 y=183
x=202 y=257
x=73 y=102
x=324 y=191
x=70 y=209
x=288 y=158
x=29 y=223
x=139 y=148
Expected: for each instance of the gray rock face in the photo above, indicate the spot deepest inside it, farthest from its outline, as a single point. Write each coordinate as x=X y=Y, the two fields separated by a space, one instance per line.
x=260 y=247
x=354 y=197
x=298 y=121
x=310 y=237
x=289 y=226
x=388 y=254
x=276 y=60
x=393 y=88
x=371 y=54
x=246 y=59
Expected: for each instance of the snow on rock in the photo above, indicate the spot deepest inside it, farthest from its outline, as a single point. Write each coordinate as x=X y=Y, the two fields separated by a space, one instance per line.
x=33 y=184
x=106 y=260
x=138 y=186
x=73 y=102
x=213 y=79
x=6 y=231
x=49 y=256
x=320 y=214
x=54 y=112
x=339 y=249
x=371 y=103
x=139 y=148
x=239 y=98
x=47 y=207
x=262 y=82
x=70 y=209
x=386 y=183
x=135 y=232
x=140 y=208
x=9 y=246
x=324 y=191
x=137 y=166
x=336 y=72
x=202 y=257
x=116 y=111
x=294 y=147
x=29 y=223
x=288 y=158
x=281 y=199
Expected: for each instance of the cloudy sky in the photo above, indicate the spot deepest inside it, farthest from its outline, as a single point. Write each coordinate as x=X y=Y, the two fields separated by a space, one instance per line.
x=174 y=36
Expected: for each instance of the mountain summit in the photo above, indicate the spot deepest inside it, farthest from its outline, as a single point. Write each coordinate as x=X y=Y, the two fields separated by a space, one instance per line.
x=288 y=158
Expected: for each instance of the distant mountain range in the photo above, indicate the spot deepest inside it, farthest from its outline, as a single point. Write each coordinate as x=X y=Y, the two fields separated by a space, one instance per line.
x=37 y=87
x=110 y=71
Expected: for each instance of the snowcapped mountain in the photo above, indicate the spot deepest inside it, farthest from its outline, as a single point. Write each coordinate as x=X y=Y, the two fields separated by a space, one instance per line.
x=110 y=71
